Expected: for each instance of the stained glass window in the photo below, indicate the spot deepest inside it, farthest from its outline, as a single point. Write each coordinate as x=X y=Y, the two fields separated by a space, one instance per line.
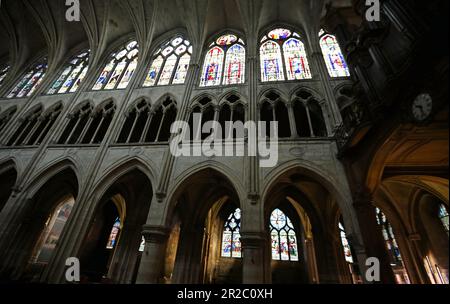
x=3 y=72
x=443 y=215
x=118 y=72
x=295 y=58
x=72 y=75
x=393 y=250
x=30 y=81
x=284 y=239
x=231 y=237
x=170 y=63
x=224 y=62
x=282 y=53
x=345 y=244
x=53 y=228
x=114 y=235
x=332 y=54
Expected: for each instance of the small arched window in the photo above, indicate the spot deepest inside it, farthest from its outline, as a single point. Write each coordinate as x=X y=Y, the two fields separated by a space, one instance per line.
x=6 y=116
x=53 y=228
x=77 y=126
x=224 y=62
x=231 y=112
x=3 y=72
x=35 y=127
x=170 y=63
x=119 y=70
x=228 y=114
x=283 y=236
x=282 y=53
x=345 y=245
x=309 y=118
x=332 y=54
x=274 y=109
x=392 y=248
x=231 y=236
x=145 y=124
x=72 y=75
x=443 y=216
x=114 y=234
x=30 y=81
x=99 y=123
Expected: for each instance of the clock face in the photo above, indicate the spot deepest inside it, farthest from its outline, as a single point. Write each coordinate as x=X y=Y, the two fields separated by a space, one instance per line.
x=422 y=107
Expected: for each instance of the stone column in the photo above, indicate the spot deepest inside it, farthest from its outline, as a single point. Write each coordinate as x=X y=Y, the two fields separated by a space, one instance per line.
x=152 y=262
x=372 y=236
x=188 y=262
x=313 y=273
x=255 y=250
x=333 y=119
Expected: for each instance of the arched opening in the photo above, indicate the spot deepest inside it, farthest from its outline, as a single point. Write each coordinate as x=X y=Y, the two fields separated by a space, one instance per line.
x=275 y=109
x=112 y=249
x=43 y=223
x=412 y=215
x=8 y=177
x=302 y=222
x=196 y=251
x=432 y=224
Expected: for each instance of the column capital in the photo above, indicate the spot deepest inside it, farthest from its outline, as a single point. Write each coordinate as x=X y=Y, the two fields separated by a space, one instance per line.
x=155 y=234
x=253 y=197
x=253 y=239
x=362 y=198
x=160 y=196
x=16 y=190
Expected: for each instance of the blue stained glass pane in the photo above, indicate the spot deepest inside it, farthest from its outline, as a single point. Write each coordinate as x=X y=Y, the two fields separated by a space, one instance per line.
x=334 y=59
x=231 y=238
x=271 y=62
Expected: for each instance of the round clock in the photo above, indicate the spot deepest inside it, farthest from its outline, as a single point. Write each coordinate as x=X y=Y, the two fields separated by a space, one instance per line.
x=422 y=107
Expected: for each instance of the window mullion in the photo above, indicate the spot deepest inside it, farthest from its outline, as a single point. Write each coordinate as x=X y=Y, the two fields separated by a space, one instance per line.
x=122 y=74
x=136 y=118
x=161 y=70
x=174 y=71
x=116 y=62
x=147 y=126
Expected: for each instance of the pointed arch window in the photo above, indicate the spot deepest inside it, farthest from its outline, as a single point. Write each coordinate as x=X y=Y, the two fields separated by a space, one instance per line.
x=332 y=54
x=443 y=216
x=231 y=237
x=114 y=234
x=35 y=127
x=72 y=75
x=274 y=109
x=86 y=126
x=6 y=116
x=145 y=124
x=229 y=110
x=30 y=81
x=3 y=72
x=77 y=125
x=345 y=244
x=392 y=248
x=170 y=63
x=52 y=232
x=224 y=62
x=120 y=69
x=283 y=55
x=283 y=236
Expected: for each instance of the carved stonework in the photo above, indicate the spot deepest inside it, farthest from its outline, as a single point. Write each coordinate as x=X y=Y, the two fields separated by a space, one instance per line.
x=155 y=234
